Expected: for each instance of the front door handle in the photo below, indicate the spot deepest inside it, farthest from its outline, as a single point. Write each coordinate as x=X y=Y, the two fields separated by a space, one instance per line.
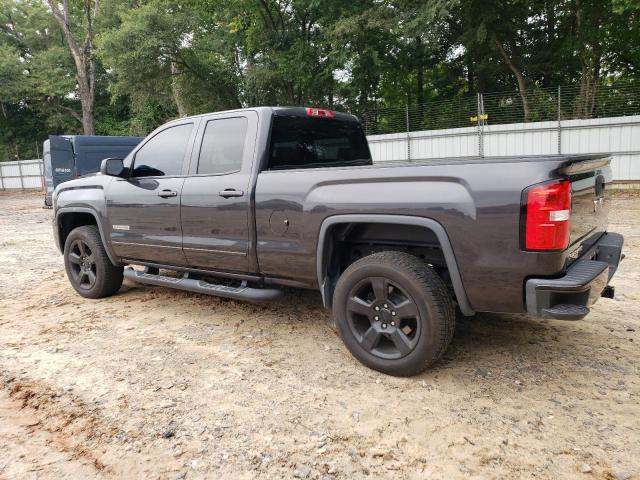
x=230 y=192
x=167 y=193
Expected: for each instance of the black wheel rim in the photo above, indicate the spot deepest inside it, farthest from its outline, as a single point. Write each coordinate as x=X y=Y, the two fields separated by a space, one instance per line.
x=82 y=265
x=383 y=318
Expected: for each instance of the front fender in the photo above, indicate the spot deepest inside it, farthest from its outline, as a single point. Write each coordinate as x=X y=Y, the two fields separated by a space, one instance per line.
x=57 y=231
x=87 y=196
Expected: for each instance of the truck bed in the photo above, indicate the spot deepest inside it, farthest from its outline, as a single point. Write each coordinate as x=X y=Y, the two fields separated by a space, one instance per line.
x=477 y=200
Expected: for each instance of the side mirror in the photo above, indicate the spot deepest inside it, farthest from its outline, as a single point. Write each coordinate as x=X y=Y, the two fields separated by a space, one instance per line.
x=113 y=167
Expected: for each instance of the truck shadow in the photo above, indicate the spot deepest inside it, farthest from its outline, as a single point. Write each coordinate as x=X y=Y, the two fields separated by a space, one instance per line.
x=517 y=338
x=504 y=329
x=498 y=342
x=508 y=343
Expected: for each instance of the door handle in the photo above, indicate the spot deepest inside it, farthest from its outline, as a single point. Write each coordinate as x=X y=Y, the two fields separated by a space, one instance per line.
x=230 y=192
x=167 y=193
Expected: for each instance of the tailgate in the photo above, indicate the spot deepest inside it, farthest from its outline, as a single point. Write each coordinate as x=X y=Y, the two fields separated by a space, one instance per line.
x=590 y=178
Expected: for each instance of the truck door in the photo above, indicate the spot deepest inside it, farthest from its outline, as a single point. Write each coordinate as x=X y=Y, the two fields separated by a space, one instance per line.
x=144 y=209
x=216 y=195
x=62 y=159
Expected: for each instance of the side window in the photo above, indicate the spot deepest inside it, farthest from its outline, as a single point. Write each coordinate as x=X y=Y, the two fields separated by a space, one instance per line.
x=222 y=146
x=163 y=154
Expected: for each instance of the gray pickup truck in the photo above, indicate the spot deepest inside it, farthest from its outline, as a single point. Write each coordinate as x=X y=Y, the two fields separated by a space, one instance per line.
x=242 y=203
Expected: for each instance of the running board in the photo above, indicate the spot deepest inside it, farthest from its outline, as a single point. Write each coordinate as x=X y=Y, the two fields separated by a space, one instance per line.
x=243 y=292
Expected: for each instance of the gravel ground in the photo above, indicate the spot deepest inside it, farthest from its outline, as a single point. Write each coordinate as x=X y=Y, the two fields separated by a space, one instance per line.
x=154 y=383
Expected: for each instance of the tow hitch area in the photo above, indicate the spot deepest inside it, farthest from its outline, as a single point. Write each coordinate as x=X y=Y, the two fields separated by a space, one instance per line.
x=609 y=291
x=570 y=297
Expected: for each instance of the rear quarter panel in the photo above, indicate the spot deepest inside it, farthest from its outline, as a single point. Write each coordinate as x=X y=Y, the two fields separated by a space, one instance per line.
x=478 y=204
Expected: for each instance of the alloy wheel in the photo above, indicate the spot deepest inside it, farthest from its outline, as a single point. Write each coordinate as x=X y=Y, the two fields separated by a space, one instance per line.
x=383 y=318
x=83 y=265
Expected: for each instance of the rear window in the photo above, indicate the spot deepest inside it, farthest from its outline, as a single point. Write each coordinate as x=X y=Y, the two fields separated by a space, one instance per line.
x=304 y=142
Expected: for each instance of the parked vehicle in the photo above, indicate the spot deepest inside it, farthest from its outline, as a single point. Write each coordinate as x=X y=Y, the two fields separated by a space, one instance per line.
x=71 y=156
x=266 y=198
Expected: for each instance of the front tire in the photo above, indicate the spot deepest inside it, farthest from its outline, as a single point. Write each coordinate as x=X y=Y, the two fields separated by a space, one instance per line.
x=394 y=313
x=88 y=267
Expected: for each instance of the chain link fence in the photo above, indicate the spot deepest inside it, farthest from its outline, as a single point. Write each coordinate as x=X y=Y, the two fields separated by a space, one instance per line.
x=540 y=104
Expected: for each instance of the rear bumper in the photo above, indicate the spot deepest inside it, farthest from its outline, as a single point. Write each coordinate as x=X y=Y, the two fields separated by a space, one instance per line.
x=571 y=296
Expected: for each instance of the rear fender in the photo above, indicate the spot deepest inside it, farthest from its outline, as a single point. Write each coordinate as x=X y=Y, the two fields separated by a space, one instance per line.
x=326 y=287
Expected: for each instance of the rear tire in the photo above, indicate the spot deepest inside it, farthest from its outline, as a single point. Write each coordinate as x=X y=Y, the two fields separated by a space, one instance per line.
x=394 y=313
x=88 y=267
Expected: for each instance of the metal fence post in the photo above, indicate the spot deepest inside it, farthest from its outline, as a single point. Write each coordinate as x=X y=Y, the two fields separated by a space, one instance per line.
x=484 y=122
x=408 y=130
x=20 y=173
x=480 y=123
x=559 y=124
x=1 y=179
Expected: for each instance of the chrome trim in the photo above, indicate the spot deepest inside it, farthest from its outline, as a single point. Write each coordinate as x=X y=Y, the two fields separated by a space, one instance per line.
x=144 y=245
x=214 y=251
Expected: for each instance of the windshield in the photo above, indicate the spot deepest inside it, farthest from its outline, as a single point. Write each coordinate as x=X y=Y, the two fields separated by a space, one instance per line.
x=306 y=142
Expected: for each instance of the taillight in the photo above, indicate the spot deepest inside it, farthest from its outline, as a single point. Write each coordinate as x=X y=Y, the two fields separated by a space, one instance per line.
x=319 y=112
x=547 y=211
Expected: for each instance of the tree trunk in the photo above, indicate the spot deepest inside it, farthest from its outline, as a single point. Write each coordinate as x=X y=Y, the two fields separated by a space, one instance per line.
x=82 y=57
x=471 y=86
x=420 y=81
x=591 y=60
x=519 y=78
x=15 y=142
x=175 y=90
x=87 y=98
x=586 y=102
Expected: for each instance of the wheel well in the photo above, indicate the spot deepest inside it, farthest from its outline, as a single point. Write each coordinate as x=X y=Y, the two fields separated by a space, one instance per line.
x=347 y=242
x=68 y=221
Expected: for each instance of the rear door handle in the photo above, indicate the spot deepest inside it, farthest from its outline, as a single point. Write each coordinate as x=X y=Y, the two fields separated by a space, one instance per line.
x=167 y=193
x=230 y=192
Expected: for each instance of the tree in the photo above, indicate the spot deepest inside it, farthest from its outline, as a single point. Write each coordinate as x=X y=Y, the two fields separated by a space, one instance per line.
x=517 y=72
x=422 y=30
x=607 y=43
x=124 y=67
x=82 y=53
x=589 y=33
x=170 y=59
x=34 y=80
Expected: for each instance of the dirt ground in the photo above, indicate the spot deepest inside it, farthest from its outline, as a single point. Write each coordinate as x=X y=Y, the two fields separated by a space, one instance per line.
x=154 y=383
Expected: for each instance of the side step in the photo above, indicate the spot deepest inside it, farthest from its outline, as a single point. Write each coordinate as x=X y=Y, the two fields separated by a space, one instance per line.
x=243 y=292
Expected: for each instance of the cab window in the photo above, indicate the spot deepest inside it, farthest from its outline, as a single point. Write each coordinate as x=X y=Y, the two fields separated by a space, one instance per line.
x=164 y=154
x=222 y=146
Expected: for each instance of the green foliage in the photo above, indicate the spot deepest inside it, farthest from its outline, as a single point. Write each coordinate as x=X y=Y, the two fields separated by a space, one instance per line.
x=158 y=59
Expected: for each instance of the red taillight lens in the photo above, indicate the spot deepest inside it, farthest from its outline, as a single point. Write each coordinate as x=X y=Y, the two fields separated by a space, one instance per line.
x=547 y=210
x=319 y=112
